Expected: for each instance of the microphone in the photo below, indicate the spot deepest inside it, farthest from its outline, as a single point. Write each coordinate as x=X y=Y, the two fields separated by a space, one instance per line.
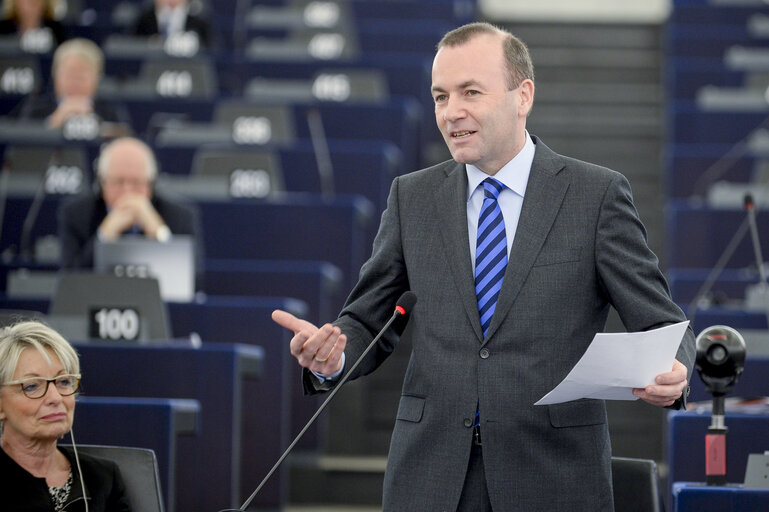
x=710 y=280
x=757 y=295
x=322 y=154
x=403 y=307
x=25 y=244
x=750 y=207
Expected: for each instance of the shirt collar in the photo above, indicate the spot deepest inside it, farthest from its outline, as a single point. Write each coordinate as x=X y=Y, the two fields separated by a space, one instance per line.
x=513 y=175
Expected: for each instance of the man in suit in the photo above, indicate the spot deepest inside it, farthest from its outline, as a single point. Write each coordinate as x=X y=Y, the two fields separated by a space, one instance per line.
x=124 y=203
x=467 y=436
x=171 y=17
x=76 y=72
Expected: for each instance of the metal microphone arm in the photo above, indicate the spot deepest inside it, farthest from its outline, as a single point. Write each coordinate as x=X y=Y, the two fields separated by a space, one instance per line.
x=399 y=311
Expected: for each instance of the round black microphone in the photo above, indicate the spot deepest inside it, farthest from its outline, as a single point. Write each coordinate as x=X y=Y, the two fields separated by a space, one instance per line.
x=406 y=303
x=403 y=307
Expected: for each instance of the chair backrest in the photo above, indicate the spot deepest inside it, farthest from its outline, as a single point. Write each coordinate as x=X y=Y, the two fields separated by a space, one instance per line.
x=636 y=487
x=139 y=469
x=250 y=173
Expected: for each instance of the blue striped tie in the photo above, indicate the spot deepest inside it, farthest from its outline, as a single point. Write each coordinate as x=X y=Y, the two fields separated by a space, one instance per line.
x=490 y=252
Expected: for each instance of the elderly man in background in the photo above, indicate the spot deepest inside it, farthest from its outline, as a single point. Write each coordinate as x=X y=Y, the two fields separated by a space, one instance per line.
x=124 y=203
x=77 y=69
x=172 y=17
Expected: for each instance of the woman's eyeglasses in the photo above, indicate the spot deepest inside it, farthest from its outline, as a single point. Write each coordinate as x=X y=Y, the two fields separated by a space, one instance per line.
x=37 y=387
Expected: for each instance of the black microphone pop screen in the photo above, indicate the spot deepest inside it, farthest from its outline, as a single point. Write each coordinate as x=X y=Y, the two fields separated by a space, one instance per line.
x=406 y=302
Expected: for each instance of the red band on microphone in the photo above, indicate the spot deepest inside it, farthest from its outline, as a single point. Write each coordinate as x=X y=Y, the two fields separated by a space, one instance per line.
x=400 y=310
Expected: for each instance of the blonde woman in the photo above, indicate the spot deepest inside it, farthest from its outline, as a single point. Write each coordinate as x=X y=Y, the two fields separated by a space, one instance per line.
x=39 y=376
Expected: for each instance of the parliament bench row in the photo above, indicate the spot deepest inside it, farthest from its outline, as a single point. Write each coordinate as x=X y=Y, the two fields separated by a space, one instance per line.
x=697 y=236
x=362 y=9
x=692 y=125
x=693 y=168
x=258 y=123
x=300 y=227
x=217 y=171
x=708 y=30
x=404 y=73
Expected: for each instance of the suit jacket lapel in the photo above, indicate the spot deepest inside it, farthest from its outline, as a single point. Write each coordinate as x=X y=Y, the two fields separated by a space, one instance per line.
x=544 y=194
x=451 y=204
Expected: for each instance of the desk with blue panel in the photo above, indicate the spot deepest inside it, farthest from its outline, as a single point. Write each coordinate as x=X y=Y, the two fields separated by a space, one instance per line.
x=401 y=36
x=317 y=283
x=686 y=165
x=294 y=227
x=279 y=393
x=398 y=121
x=710 y=30
x=407 y=74
x=153 y=423
x=423 y=9
x=691 y=246
x=728 y=289
x=734 y=317
x=16 y=209
x=690 y=124
x=692 y=74
x=686 y=432
x=362 y=167
x=209 y=465
x=697 y=497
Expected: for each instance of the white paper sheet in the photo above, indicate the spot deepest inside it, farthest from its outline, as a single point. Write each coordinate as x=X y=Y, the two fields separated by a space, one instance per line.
x=615 y=363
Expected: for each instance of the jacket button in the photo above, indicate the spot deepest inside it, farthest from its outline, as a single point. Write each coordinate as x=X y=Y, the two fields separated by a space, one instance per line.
x=485 y=353
x=468 y=422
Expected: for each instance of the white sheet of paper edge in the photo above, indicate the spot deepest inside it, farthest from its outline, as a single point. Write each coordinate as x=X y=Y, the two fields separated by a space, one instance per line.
x=615 y=363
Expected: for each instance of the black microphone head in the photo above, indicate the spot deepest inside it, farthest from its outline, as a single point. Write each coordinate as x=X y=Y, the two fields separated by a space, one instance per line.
x=748 y=201
x=406 y=302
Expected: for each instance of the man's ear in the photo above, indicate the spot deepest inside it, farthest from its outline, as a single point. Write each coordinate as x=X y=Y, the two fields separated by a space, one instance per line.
x=526 y=97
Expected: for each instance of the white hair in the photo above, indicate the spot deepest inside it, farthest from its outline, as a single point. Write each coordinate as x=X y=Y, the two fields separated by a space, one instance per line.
x=106 y=153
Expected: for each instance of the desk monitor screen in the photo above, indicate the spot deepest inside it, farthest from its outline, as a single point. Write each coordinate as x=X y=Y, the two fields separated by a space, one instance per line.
x=171 y=262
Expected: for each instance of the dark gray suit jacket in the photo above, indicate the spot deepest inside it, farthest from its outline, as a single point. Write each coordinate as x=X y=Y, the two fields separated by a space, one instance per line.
x=579 y=247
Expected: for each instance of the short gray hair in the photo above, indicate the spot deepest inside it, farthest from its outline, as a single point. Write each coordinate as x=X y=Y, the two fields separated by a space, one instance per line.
x=102 y=167
x=517 y=57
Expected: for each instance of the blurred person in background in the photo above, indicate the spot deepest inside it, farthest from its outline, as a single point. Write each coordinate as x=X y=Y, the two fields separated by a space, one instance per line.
x=25 y=17
x=78 y=65
x=124 y=203
x=39 y=376
x=171 y=17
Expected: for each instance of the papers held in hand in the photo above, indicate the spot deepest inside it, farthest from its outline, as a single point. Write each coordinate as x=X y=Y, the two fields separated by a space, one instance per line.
x=615 y=363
